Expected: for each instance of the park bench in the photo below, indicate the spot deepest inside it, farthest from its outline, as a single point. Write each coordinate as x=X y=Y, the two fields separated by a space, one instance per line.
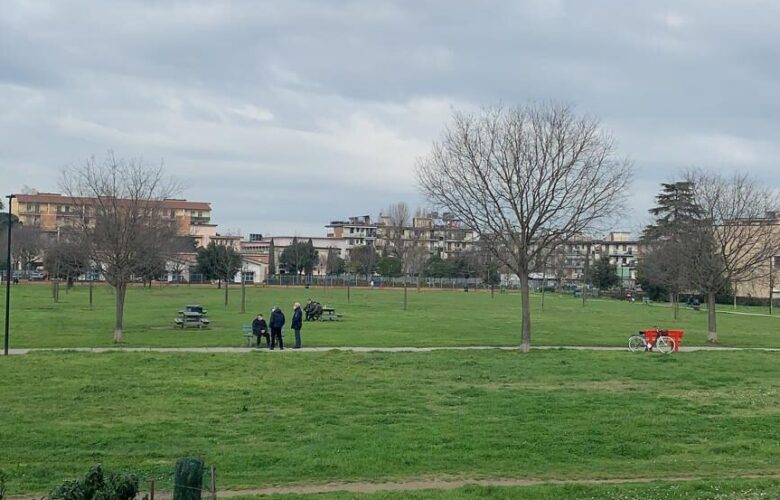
x=248 y=335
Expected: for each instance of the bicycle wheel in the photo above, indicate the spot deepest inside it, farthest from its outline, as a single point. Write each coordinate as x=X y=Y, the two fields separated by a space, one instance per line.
x=665 y=344
x=637 y=343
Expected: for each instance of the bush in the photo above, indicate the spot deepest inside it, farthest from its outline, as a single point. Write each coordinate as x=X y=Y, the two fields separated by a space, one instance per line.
x=97 y=485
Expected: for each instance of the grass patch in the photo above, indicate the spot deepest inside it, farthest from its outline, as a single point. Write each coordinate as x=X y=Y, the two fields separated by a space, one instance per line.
x=372 y=317
x=292 y=418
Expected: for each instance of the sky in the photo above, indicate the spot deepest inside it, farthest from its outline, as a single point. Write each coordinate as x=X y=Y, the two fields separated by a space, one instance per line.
x=286 y=115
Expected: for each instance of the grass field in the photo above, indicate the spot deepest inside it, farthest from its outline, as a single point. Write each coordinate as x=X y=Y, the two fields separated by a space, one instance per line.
x=315 y=417
x=372 y=317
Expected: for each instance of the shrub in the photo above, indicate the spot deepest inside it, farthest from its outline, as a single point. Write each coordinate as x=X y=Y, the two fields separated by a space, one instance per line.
x=97 y=485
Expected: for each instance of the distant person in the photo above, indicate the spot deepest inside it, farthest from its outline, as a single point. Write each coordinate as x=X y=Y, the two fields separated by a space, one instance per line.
x=260 y=329
x=309 y=310
x=297 y=323
x=277 y=322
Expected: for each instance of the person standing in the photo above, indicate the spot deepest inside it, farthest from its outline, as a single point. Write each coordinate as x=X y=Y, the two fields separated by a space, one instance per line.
x=297 y=323
x=260 y=329
x=277 y=322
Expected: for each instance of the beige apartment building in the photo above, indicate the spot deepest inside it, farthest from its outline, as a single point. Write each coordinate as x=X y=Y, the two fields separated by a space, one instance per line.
x=445 y=235
x=52 y=211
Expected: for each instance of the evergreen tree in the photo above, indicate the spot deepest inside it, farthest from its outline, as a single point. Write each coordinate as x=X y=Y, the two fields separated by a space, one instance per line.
x=390 y=267
x=335 y=265
x=604 y=275
x=271 y=258
x=665 y=267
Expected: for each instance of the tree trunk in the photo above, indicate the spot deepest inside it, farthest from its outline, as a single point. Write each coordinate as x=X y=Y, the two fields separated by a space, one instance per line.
x=586 y=274
x=544 y=283
x=675 y=304
x=525 y=300
x=226 y=293
x=120 y=311
x=712 y=327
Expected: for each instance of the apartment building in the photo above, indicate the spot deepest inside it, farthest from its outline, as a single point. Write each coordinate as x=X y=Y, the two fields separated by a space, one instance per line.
x=619 y=247
x=52 y=211
x=259 y=248
x=354 y=231
x=445 y=235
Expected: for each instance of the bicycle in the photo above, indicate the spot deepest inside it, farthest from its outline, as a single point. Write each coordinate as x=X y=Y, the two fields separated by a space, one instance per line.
x=661 y=341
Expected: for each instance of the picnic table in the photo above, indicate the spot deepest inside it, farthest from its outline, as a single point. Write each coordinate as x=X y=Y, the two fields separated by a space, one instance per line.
x=197 y=308
x=329 y=313
x=191 y=318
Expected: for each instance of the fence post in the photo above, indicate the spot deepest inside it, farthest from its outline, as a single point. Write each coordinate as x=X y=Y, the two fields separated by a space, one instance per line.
x=151 y=489
x=213 y=482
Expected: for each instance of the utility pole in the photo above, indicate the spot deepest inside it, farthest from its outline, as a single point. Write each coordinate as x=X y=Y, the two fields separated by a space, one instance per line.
x=771 y=283
x=8 y=280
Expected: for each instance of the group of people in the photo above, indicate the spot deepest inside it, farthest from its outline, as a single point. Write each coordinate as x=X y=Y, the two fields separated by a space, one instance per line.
x=260 y=328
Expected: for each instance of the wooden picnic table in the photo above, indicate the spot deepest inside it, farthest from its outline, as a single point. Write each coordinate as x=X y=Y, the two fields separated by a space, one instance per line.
x=189 y=318
x=329 y=313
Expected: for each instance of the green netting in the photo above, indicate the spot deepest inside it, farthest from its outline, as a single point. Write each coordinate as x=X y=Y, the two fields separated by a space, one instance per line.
x=188 y=479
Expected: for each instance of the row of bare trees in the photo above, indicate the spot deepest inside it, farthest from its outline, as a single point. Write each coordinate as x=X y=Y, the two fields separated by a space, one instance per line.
x=711 y=232
x=528 y=179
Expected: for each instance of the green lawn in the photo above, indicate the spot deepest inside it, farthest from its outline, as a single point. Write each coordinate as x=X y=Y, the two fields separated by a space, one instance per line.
x=296 y=418
x=373 y=317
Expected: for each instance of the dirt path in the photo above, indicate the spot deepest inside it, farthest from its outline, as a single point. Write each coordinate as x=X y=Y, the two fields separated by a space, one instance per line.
x=434 y=484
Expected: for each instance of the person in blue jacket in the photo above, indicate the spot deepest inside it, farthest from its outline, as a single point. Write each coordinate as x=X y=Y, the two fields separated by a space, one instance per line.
x=297 y=323
x=277 y=322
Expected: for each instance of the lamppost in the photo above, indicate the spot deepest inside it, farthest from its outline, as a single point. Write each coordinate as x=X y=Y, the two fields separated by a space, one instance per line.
x=8 y=279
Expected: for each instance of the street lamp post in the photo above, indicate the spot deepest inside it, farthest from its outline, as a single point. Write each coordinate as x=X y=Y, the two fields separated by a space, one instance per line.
x=8 y=279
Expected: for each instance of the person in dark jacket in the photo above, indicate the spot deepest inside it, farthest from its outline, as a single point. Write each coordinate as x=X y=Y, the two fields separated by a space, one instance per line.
x=277 y=322
x=297 y=323
x=260 y=329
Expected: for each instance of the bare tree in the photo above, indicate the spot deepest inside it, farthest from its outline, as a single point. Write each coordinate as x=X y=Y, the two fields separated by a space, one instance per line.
x=119 y=203
x=735 y=239
x=525 y=178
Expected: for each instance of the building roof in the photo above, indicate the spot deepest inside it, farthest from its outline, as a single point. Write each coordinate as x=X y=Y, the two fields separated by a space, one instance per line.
x=58 y=198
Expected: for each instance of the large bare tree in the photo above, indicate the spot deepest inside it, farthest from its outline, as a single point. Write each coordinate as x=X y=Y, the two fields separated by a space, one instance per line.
x=525 y=179
x=119 y=203
x=735 y=238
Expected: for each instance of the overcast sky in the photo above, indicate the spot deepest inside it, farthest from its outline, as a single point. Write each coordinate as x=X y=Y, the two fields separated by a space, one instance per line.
x=287 y=114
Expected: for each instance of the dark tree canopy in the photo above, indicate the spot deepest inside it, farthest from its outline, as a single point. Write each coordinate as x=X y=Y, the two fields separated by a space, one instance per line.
x=363 y=260
x=334 y=265
x=271 y=258
x=603 y=274
x=390 y=267
x=299 y=258
x=218 y=262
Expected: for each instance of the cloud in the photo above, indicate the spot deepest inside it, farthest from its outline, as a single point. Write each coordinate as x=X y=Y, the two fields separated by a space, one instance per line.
x=279 y=112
